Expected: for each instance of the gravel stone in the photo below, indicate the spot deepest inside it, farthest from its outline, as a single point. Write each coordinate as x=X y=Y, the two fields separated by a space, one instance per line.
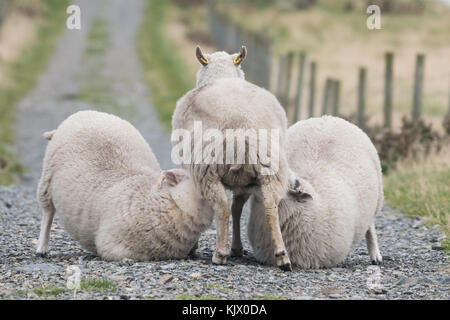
x=411 y=268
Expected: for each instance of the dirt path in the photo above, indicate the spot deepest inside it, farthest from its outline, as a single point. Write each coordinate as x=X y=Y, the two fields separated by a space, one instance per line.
x=61 y=89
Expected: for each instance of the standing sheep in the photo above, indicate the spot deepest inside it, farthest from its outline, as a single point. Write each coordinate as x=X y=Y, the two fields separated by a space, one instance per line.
x=224 y=101
x=334 y=201
x=105 y=184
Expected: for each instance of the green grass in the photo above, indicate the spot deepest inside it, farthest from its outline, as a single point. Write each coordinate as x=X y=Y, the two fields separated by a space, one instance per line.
x=20 y=292
x=89 y=285
x=49 y=290
x=188 y=297
x=98 y=41
x=268 y=297
x=101 y=284
x=95 y=89
x=164 y=71
x=22 y=75
x=212 y=286
x=422 y=189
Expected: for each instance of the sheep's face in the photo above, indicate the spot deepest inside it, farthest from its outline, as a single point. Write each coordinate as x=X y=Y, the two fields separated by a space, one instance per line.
x=183 y=192
x=219 y=65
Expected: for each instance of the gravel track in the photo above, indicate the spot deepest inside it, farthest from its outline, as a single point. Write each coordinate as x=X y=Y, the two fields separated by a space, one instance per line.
x=414 y=266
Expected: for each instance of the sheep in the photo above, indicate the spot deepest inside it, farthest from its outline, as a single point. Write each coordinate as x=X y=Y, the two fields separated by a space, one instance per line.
x=332 y=204
x=224 y=101
x=101 y=178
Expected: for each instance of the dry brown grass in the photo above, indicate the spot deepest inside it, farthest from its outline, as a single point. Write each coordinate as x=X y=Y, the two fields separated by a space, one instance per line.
x=182 y=23
x=340 y=43
x=16 y=32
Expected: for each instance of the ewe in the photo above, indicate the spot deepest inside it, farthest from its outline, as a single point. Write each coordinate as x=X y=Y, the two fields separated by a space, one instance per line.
x=334 y=201
x=105 y=184
x=225 y=102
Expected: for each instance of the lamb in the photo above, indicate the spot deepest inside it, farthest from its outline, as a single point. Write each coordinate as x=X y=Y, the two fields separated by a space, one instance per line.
x=224 y=101
x=334 y=201
x=102 y=179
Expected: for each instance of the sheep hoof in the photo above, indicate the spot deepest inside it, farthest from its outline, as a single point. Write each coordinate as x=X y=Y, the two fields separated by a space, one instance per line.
x=239 y=252
x=219 y=258
x=376 y=262
x=283 y=260
x=376 y=259
x=42 y=254
x=286 y=267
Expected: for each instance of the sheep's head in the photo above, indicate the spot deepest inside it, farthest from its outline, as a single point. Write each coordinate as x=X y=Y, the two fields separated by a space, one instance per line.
x=183 y=192
x=219 y=65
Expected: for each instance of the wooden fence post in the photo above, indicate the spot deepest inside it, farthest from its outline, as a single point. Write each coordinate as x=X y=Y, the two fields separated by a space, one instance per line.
x=418 y=87
x=280 y=78
x=312 y=89
x=287 y=84
x=267 y=60
x=326 y=95
x=449 y=100
x=361 y=97
x=336 y=97
x=298 y=97
x=388 y=90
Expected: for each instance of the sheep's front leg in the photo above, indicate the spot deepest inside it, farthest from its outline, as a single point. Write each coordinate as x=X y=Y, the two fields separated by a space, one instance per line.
x=236 y=211
x=271 y=202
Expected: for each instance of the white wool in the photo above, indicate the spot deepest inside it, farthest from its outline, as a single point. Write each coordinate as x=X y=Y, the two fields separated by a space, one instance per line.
x=103 y=181
x=223 y=100
x=338 y=167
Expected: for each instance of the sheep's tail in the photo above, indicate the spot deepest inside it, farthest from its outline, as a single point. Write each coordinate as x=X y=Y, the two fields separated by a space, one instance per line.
x=49 y=134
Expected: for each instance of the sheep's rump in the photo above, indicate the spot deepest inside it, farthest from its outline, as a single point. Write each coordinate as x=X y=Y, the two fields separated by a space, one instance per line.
x=331 y=145
x=236 y=108
x=90 y=152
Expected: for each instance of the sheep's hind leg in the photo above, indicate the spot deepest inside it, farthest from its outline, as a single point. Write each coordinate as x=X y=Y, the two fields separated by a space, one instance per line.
x=271 y=210
x=214 y=193
x=372 y=245
x=236 y=211
x=48 y=212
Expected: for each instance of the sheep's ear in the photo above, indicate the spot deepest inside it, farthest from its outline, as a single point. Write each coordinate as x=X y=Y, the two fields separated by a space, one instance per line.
x=173 y=177
x=241 y=56
x=301 y=190
x=201 y=58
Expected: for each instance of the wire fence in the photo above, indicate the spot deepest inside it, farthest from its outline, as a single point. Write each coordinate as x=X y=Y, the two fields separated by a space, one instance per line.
x=276 y=73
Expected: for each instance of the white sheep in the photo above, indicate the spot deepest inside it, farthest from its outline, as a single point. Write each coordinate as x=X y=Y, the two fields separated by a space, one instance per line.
x=224 y=101
x=334 y=201
x=102 y=179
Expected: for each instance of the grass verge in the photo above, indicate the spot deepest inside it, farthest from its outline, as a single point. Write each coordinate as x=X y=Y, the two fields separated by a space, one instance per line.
x=49 y=291
x=22 y=75
x=188 y=297
x=164 y=71
x=422 y=189
x=101 y=284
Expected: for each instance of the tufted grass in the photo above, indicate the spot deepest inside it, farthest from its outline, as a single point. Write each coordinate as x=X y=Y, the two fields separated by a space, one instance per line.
x=49 y=291
x=164 y=70
x=188 y=297
x=421 y=188
x=98 y=284
x=22 y=75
